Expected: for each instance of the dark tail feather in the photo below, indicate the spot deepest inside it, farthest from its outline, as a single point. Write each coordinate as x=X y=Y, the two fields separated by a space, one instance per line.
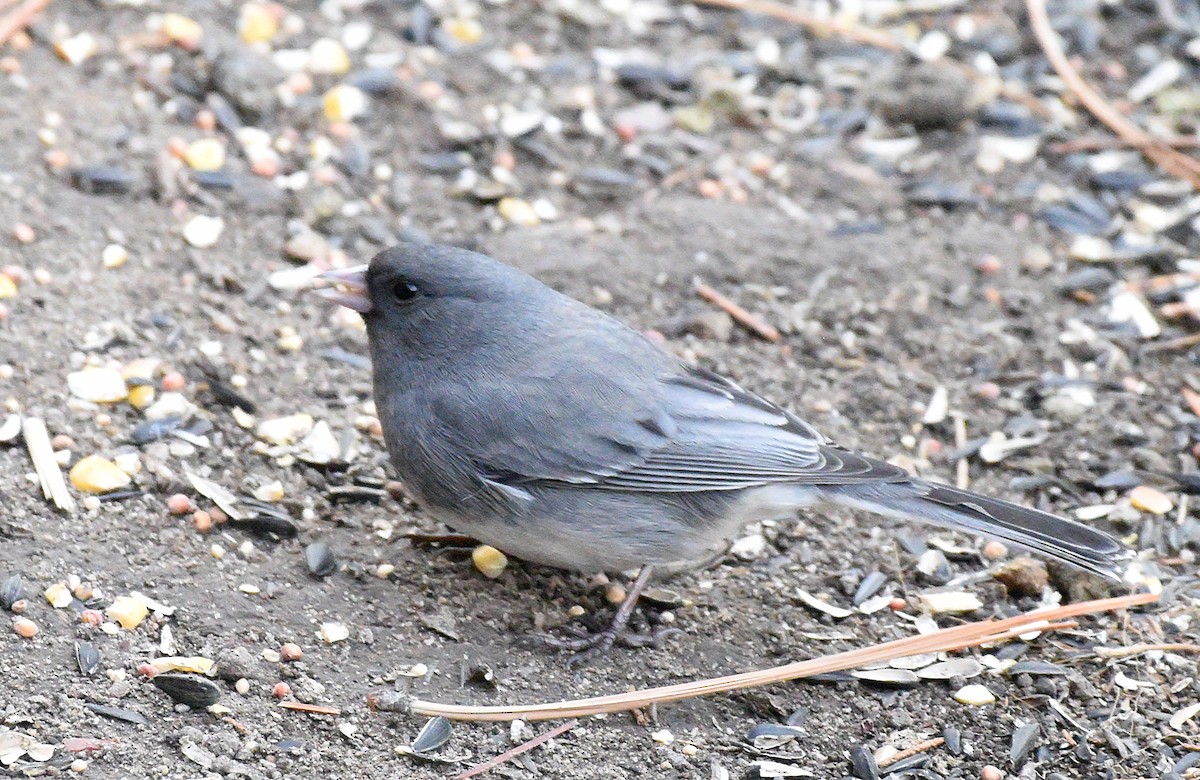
x=1050 y=535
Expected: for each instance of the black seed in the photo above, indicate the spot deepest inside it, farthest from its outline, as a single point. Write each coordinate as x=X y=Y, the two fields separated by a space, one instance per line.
x=1036 y=667
x=227 y=396
x=869 y=586
x=1188 y=481
x=320 y=558
x=1093 y=280
x=1024 y=740
x=434 y=734
x=117 y=713
x=103 y=179
x=11 y=591
x=933 y=193
x=953 y=739
x=153 y=430
x=1072 y=220
x=906 y=765
x=1118 y=480
x=87 y=657
x=862 y=763
x=214 y=180
x=374 y=81
x=1189 y=761
x=773 y=730
x=444 y=162
x=191 y=689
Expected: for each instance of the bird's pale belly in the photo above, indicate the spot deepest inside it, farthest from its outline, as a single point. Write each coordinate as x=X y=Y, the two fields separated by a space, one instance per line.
x=587 y=529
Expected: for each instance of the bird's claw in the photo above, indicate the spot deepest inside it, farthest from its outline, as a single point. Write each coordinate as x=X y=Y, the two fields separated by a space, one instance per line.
x=585 y=647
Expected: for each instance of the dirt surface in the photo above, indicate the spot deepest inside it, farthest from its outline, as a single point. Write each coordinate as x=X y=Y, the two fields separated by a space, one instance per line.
x=874 y=321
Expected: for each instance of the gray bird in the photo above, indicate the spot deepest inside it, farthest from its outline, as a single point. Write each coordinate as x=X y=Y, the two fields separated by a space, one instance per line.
x=558 y=434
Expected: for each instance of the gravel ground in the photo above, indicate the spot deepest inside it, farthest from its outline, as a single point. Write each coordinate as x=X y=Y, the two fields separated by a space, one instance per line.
x=619 y=152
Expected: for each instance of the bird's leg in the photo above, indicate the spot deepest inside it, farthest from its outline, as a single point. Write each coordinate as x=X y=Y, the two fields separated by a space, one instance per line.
x=588 y=647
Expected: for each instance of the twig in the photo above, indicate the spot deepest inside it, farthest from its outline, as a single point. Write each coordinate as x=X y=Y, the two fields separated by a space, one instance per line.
x=1100 y=144
x=1171 y=161
x=920 y=747
x=967 y=635
x=37 y=441
x=1192 y=398
x=962 y=469
x=852 y=32
x=512 y=753
x=740 y=315
x=865 y=35
x=21 y=16
x=1171 y=345
x=1125 y=652
x=312 y=709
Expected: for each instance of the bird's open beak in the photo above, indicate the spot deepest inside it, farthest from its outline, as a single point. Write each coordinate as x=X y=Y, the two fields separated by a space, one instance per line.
x=351 y=290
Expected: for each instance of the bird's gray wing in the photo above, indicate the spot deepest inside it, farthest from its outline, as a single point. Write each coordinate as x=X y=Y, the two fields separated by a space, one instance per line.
x=690 y=431
x=723 y=437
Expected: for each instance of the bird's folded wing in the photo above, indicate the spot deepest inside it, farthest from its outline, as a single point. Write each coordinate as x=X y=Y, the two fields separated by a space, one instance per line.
x=725 y=438
x=692 y=432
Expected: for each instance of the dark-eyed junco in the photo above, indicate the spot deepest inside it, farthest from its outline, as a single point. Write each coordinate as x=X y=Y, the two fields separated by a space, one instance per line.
x=558 y=434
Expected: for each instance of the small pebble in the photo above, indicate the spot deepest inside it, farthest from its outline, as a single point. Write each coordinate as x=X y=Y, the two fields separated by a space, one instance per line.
x=202 y=521
x=242 y=686
x=25 y=628
x=173 y=382
x=290 y=651
x=281 y=690
x=994 y=550
x=179 y=504
x=990 y=772
x=205 y=154
x=77 y=48
x=202 y=231
x=23 y=233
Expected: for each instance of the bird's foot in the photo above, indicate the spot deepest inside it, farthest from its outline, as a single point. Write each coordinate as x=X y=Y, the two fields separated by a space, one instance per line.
x=586 y=647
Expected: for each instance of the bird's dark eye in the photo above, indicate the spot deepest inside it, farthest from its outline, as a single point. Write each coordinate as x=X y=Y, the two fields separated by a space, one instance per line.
x=404 y=290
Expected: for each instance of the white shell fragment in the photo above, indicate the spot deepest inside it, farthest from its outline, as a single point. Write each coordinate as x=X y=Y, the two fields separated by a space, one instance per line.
x=832 y=610
x=938 y=407
x=333 y=632
x=998 y=446
x=320 y=446
x=203 y=232
x=950 y=601
x=281 y=431
x=1183 y=716
x=954 y=667
x=98 y=385
x=1129 y=307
